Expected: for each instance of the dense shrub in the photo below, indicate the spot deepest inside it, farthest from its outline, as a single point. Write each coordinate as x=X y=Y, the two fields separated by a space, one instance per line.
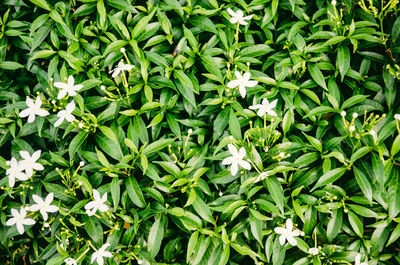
x=199 y=132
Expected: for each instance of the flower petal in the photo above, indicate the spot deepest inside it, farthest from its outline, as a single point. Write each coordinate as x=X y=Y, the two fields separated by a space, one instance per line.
x=233 y=150
x=228 y=160
x=234 y=168
x=233 y=83
x=62 y=93
x=25 y=113
x=292 y=241
x=251 y=83
x=244 y=164
x=242 y=90
x=289 y=225
x=31 y=117
x=231 y=12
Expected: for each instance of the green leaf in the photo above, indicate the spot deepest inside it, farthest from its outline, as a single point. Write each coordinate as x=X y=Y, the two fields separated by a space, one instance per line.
x=94 y=229
x=276 y=191
x=115 y=192
x=360 y=153
x=41 y=3
x=185 y=86
x=134 y=192
x=319 y=111
x=9 y=65
x=191 y=245
x=343 y=60
x=203 y=210
x=156 y=235
x=354 y=100
x=364 y=183
x=356 y=223
x=329 y=177
x=76 y=143
x=203 y=23
x=220 y=123
x=43 y=54
x=234 y=125
x=317 y=75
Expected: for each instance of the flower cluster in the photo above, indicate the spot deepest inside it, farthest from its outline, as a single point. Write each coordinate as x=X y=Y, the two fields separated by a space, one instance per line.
x=28 y=164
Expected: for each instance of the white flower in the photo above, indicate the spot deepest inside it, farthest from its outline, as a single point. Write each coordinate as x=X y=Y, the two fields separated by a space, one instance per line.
x=355 y=115
x=242 y=82
x=397 y=117
x=313 y=251
x=44 y=206
x=98 y=203
x=236 y=159
x=333 y=2
x=66 y=114
x=29 y=163
x=265 y=107
x=358 y=260
x=343 y=113
x=19 y=220
x=262 y=176
x=15 y=172
x=287 y=233
x=237 y=17
x=67 y=88
x=122 y=49
x=33 y=109
x=99 y=254
x=352 y=128
x=121 y=67
x=70 y=261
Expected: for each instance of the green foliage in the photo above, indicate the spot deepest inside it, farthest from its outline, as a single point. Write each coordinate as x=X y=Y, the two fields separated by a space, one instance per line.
x=170 y=135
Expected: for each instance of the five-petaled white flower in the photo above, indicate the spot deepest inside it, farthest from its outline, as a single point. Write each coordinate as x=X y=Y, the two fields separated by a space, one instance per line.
x=242 y=82
x=265 y=107
x=98 y=203
x=70 y=261
x=66 y=114
x=236 y=159
x=99 y=254
x=237 y=17
x=313 y=251
x=67 y=88
x=29 y=163
x=121 y=67
x=19 y=220
x=33 y=109
x=358 y=260
x=287 y=233
x=44 y=206
x=15 y=172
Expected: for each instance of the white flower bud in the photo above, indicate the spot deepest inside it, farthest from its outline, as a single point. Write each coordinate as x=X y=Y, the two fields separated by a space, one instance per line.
x=352 y=128
x=139 y=261
x=8 y=163
x=103 y=88
x=220 y=194
x=190 y=131
x=372 y=132
x=355 y=115
x=333 y=2
x=343 y=113
x=46 y=225
x=397 y=117
x=282 y=154
x=122 y=49
x=80 y=125
x=81 y=163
